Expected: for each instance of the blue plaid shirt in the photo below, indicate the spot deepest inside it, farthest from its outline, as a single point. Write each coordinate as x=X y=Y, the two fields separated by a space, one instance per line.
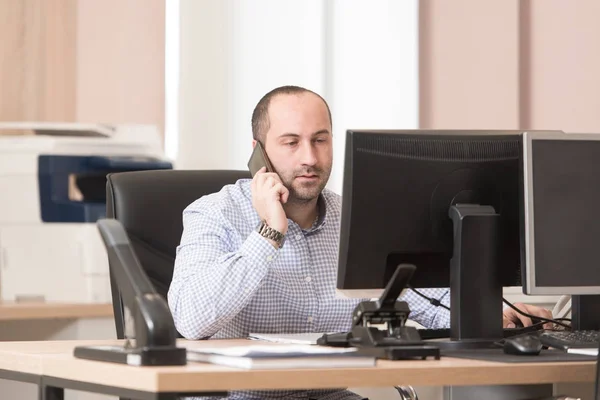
x=229 y=281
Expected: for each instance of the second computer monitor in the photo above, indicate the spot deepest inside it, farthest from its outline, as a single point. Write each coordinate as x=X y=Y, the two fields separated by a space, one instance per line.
x=561 y=225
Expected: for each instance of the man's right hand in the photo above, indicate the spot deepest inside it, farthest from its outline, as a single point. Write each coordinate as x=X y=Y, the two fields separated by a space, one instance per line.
x=268 y=197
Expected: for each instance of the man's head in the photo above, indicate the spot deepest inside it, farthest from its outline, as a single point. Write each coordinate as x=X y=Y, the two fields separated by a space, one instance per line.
x=294 y=126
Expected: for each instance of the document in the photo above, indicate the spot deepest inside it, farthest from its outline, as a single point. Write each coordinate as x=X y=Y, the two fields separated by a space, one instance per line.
x=282 y=356
x=287 y=338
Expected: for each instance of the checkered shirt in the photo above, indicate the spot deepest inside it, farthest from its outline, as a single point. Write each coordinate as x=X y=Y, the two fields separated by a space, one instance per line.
x=229 y=281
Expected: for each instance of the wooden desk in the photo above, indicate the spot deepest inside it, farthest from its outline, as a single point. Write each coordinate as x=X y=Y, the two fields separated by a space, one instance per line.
x=30 y=311
x=55 y=363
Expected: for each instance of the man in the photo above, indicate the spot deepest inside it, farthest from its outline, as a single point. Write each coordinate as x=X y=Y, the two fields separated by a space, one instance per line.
x=230 y=280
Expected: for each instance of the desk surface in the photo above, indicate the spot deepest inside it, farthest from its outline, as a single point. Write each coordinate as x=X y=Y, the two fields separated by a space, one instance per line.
x=28 y=311
x=54 y=358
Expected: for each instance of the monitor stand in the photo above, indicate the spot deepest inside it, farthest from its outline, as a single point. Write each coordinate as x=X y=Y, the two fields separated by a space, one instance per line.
x=475 y=286
x=585 y=312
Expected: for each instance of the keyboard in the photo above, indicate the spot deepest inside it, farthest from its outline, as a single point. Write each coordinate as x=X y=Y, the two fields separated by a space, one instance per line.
x=565 y=340
x=444 y=333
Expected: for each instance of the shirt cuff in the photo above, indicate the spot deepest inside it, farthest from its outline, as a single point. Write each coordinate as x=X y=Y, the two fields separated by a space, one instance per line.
x=259 y=249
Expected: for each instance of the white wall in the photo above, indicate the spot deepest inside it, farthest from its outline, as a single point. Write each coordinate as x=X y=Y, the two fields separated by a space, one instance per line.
x=205 y=106
x=372 y=69
x=361 y=56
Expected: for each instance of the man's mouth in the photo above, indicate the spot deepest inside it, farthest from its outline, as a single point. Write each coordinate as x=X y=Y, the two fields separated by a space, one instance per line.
x=308 y=176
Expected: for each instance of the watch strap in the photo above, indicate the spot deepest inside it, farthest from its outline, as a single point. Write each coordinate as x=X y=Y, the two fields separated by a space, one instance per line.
x=266 y=231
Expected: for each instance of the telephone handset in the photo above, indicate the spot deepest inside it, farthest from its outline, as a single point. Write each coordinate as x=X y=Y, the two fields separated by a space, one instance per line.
x=259 y=159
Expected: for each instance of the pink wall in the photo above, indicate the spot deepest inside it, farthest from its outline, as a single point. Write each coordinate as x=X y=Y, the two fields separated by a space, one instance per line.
x=120 y=61
x=509 y=64
x=564 y=65
x=468 y=64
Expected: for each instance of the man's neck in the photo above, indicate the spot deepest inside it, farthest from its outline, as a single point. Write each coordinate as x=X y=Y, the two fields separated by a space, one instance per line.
x=302 y=213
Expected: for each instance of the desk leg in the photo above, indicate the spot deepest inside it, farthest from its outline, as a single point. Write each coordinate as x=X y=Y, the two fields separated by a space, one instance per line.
x=497 y=392
x=50 y=392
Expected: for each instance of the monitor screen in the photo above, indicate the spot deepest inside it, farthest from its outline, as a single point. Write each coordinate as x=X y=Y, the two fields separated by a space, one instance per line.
x=562 y=227
x=398 y=188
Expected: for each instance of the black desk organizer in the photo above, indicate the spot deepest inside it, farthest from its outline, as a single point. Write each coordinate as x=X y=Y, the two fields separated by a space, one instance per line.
x=396 y=341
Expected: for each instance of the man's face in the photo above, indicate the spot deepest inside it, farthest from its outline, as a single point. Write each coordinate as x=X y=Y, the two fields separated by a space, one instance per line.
x=299 y=144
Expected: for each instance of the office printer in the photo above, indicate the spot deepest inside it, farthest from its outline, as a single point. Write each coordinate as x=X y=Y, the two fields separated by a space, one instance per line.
x=52 y=191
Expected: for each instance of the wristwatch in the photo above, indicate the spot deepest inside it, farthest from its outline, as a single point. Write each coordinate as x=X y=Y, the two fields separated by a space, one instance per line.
x=266 y=231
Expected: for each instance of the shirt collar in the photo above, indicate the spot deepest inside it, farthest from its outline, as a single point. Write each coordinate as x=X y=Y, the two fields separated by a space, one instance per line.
x=322 y=213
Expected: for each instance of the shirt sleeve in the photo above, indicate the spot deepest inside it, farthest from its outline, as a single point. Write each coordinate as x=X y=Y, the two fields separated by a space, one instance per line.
x=425 y=313
x=213 y=282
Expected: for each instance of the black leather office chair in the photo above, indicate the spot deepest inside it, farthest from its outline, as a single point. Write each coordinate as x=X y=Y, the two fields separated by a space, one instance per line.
x=149 y=205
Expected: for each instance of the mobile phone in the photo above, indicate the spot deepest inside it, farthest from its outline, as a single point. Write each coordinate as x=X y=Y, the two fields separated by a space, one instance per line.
x=259 y=159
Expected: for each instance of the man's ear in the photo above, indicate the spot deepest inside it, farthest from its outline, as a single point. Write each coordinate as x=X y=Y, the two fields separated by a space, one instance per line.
x=253 y=143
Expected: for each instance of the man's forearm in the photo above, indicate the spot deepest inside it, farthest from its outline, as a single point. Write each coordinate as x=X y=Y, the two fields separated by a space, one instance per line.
x=425 y=313
x=203 y=297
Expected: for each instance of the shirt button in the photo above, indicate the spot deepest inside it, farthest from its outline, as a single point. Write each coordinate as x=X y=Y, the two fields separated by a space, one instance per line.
x=310 y=319
x=269 y=258
x=308 y=279
x=298 y=236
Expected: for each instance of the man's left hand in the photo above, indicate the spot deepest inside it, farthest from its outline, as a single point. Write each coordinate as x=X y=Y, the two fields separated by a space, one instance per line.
x=510 y=317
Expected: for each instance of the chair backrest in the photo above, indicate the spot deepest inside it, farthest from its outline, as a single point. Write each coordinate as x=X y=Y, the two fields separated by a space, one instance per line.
x=149 y=205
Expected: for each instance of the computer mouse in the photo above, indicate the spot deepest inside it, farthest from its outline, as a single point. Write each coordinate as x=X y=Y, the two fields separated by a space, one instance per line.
x=519 y=324
x=527 y=345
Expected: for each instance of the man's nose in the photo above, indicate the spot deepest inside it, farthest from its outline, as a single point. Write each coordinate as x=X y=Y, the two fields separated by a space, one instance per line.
x=308 y=154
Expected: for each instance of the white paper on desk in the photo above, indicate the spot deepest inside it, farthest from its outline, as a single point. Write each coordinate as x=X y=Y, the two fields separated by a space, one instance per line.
x=281 y=356
x=585 y=352
x=287 y=338
x=292 y=350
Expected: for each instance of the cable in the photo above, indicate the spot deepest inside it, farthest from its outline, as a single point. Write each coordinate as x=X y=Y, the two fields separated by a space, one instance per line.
x=435 y=302
x=562 y=307
x=554 y=321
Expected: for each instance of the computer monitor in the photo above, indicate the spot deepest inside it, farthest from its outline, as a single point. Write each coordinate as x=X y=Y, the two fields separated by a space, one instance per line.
x=561 y=226
x=444 y=201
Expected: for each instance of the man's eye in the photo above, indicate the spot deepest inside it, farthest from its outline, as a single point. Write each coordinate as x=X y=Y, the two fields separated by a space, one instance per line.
x=290 y=143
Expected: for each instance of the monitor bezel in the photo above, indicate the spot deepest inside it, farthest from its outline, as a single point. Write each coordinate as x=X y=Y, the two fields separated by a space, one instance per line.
x=531 y=287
